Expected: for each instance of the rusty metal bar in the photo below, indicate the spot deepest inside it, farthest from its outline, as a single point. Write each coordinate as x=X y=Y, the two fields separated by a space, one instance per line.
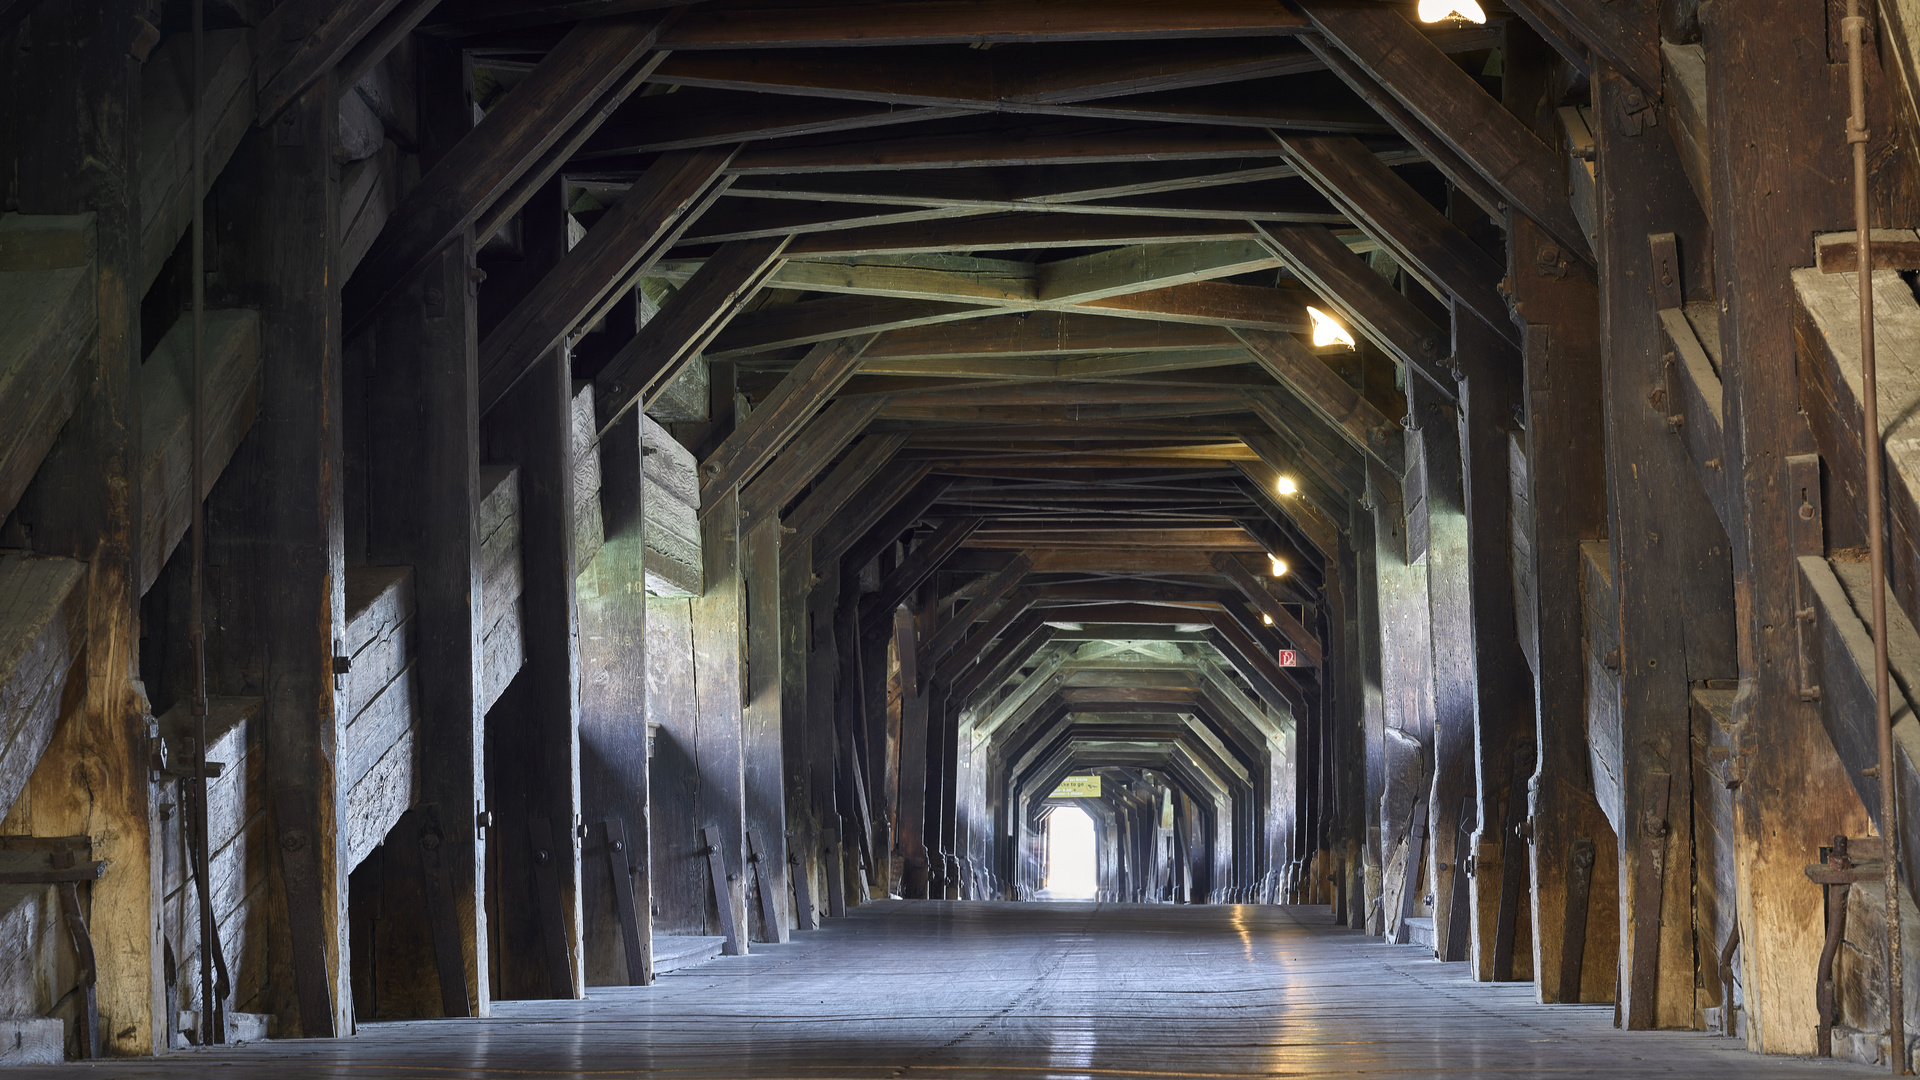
x=1855 y=27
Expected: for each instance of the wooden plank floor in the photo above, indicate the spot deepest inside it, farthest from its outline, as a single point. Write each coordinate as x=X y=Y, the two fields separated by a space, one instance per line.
x=1029 y=991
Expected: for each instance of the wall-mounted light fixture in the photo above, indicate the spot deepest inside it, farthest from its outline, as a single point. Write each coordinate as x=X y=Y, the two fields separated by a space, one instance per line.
x=1326 y=331
x=1433 y=11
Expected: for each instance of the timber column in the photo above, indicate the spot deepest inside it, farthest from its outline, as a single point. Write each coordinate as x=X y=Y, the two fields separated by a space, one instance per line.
x=78 y=123
x=276 y=531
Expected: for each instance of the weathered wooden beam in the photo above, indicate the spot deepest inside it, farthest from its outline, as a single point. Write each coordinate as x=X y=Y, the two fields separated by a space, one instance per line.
x=690 y=118
x=1626 y=36
x=615 y=251
x=165 y=152
x=1363 y=299
x=981 y=77
x=991 y=592
x=382 y=39
x=1323 y=450
x=875 y=517
x=1136 y=268
x=972 y=143
x=473 y=18
x=1471 y=121
x=1009 y=232
x=1256 y=593
x=230 y=396
x=684 y=324
x=873 y=453
x=1312 y=381
x=434 y=516
x=1432 y=147
x=1395 y=215
x=1666 y=550
x=767 y=429
x=42 y=633
x=47 y=267
x=486 y=164
x=302 y=40
x=1694 y=392
x=801 y=460
x=750 y=25
x=920 y=563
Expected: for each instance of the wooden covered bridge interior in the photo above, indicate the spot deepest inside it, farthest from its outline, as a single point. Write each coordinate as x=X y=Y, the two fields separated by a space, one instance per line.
x=502 y=500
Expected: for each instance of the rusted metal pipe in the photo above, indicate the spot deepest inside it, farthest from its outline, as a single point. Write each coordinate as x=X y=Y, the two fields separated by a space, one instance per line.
x=213 y=985
x=1823 y=988
x=1855 y=27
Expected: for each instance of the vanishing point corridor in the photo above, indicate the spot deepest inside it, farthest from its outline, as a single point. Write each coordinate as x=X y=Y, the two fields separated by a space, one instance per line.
x=1003 y=991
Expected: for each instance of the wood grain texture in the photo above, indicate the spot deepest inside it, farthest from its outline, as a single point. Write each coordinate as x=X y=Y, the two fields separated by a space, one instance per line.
x=46 y=320
x=42 y=609
x=230 y=400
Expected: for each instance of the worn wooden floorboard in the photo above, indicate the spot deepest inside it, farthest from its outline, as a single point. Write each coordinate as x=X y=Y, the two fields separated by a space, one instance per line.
x=945 y=989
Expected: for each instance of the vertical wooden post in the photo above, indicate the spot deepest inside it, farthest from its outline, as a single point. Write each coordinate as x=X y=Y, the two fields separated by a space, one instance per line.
x=1489 y=398
x=1765 y=90
x=1668 y=544
x=1406 y=665
x=1566 y=489
x=612 y=598
x=801 y=842
x=418 y=371
x=533 y=769
x=1372 y=708
x=77 y=123
x=1450 y=603
x=762 y=735
x=718 y=647
x=276 y=550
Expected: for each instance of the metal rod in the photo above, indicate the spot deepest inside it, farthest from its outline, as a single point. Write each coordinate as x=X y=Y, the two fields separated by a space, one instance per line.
x=1855 y=26
x=212 y=1022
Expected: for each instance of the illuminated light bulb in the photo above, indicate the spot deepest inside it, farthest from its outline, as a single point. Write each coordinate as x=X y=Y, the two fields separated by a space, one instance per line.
x=1286 y=486
x=1267 y=619
x=1326 y=331
x=1279 y=567
x=1432 y=11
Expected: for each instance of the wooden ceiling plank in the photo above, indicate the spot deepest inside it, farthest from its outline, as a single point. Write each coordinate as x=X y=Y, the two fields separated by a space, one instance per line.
x=747 y=24
x=771 y=425
x=485 y=164
x=618 y=247
x=871 y=454
x=1295 y=366
x=684 y=325
x=800 y=461
x=1364 y=300
x=1529 y=175
x=1396 y=216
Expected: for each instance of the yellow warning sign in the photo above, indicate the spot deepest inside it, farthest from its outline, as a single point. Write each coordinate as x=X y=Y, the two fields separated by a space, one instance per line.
x=1078 y=787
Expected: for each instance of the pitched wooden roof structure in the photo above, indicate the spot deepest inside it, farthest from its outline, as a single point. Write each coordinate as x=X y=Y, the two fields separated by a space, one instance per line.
x=684 y=468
